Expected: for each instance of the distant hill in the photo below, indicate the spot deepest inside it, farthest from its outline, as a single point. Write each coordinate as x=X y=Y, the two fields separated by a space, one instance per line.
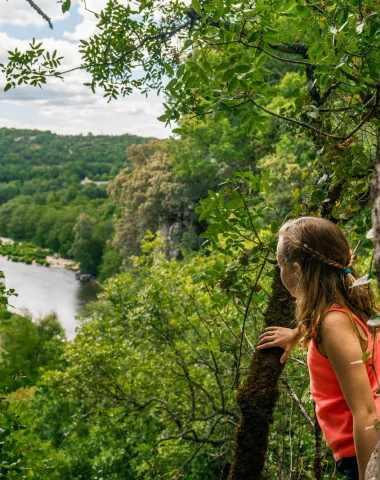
x=53 y=191
x=31 y=154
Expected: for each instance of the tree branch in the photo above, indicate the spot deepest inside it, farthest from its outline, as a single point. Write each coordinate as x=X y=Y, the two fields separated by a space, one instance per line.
x=40 y=12
x=313 y=129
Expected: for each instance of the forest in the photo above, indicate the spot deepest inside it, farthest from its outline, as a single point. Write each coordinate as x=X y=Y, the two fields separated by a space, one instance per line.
x=274 y=113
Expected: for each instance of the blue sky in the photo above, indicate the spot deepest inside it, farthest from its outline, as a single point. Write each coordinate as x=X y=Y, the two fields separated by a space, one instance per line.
x=67 y=107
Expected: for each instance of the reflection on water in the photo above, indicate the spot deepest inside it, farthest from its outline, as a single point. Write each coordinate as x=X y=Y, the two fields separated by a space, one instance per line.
x=42 y=290
x=86 y=292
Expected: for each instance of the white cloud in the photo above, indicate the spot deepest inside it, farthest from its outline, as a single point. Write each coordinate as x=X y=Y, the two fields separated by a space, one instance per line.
x=20 y=13
x=87 y=27
x=69 y=107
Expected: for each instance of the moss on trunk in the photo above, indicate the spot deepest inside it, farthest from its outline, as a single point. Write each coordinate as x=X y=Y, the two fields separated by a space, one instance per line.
x=258 y=395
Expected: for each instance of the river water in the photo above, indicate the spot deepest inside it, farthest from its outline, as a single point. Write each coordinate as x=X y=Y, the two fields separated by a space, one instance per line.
x=42 y=290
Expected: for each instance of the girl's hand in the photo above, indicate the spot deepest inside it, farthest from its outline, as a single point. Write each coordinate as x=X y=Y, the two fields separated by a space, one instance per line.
x=285 y=338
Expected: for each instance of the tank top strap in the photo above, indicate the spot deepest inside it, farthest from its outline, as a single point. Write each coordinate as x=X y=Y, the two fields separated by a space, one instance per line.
x=363 y=324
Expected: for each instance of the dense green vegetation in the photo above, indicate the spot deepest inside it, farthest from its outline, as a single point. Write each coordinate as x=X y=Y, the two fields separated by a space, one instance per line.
x=147 y=388
x=35 y=162
x=24 y=252
x=42 y=197
x=278 y=112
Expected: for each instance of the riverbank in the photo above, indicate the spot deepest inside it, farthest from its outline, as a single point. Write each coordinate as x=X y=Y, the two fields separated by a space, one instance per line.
x=41 y=291
x=26 y=252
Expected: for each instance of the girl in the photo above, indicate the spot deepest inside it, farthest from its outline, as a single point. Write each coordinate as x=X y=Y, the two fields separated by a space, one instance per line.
x=316 y=267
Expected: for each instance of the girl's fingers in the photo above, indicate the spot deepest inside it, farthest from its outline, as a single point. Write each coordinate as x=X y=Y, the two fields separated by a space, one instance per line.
x=266 y=345
x=284 y=357
x=267 y=334
x=270 y=328
x=265 y=340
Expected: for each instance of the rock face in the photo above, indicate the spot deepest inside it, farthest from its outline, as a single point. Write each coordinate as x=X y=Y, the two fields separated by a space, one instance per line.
x=85 y=278
x=373 y=468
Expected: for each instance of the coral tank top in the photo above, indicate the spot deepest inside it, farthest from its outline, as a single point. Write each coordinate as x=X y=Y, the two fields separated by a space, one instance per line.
x=333 y=413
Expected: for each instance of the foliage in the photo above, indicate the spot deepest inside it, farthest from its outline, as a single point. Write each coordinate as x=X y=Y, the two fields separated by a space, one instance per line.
x=287 y=89
x=24 y=252
x=147 y=388
x=206 y=155
x=42 y=203
x=26 y=347
x=337 y=44
x=89 y=242
x=33 y=161
x=153 y=321
x=149 y=195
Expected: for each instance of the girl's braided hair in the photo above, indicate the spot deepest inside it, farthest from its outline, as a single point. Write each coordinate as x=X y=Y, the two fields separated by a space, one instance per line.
x=322 y=258
x=324 y=255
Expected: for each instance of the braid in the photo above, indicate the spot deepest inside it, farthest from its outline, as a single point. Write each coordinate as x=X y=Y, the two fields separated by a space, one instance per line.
x=319 y=256
x=352 y=260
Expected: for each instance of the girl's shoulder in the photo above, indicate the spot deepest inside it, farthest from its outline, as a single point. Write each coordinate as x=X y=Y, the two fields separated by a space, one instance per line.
x=337 y=317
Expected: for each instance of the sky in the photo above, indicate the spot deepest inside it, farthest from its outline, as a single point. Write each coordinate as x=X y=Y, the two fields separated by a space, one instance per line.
x=69 y=107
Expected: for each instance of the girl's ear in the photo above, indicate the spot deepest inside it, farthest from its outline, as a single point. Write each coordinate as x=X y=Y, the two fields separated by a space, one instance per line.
x=297 y=268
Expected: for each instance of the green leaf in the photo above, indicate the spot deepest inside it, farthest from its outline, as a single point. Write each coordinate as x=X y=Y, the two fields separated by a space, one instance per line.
x=203 y=76
x=366 y=355
x=318 y=195
x=172 y=83
x=168 y=68
x=207 y=67
x=232 y=85
x=245 y=119
x=66 y=5
x=251 y=127
x=196 y=5
x=222 y=66
x=228 y=75
x=257 y=76
x=242 y=68
x=218 y=13
x=304 y=12
x=225 y=107
x=7 y=87
x=163 y=117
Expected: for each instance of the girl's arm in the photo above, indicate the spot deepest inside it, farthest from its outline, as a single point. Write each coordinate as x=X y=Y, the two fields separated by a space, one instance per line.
x=285 y=338
x=342 y=347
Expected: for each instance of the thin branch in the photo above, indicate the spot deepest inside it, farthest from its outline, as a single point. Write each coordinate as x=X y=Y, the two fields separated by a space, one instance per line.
x=245 y=319
x=294 y=396
x=316 y=130
x=257 y=47
x=40 y=12
x=158 y=36
x=287 y=60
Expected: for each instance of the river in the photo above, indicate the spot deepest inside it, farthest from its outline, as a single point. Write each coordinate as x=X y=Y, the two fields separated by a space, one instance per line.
x=42 y=290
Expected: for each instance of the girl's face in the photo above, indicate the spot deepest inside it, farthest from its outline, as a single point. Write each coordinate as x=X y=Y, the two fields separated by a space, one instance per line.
x=290 y=274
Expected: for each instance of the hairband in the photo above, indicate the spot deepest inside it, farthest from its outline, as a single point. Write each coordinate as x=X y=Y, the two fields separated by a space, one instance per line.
x=347 y=270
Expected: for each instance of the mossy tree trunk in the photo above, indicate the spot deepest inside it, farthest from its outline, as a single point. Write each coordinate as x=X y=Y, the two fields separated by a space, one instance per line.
x=376 y=209
x=258 y=395
x=373 y=468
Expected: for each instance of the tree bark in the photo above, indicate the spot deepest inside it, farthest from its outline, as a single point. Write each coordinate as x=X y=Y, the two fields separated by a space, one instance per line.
x=376 y=209
x=373 y=468
x=317 y=448
x=257 y=397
